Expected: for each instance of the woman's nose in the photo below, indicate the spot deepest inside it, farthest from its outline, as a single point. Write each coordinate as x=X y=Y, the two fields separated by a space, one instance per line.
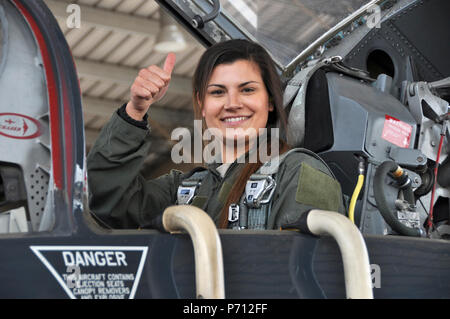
x=233 y=101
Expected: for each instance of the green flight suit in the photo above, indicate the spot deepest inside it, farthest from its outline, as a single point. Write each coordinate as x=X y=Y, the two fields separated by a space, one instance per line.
x=122 y=198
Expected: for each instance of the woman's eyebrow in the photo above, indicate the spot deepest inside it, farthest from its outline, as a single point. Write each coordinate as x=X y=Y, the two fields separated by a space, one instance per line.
x=240 y=85
x=245 y=83
x=219 y=85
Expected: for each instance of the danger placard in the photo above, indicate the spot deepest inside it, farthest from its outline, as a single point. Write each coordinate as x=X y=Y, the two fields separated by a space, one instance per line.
x=396 y=132
x=94 y=272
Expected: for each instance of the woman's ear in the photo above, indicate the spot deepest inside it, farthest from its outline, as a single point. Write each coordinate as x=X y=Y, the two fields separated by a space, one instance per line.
x=200 y=105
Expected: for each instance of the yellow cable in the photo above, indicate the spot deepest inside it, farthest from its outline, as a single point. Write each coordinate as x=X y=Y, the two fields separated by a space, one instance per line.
x=351 y=211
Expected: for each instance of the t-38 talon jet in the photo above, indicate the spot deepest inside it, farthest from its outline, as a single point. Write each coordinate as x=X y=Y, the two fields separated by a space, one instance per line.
x=368 y=92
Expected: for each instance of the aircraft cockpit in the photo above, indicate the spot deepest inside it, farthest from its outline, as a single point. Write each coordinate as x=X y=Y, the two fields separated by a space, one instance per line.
x=367 y=88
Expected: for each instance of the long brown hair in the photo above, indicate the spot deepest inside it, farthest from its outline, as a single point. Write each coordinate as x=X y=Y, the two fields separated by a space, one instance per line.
x=226 y=53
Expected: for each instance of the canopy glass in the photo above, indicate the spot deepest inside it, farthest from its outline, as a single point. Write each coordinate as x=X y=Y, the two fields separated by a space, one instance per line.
x=287 y=27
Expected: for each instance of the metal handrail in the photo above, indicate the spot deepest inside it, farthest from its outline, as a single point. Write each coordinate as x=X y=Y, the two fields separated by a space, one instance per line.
x=208 y=249
x=209 y=275
x=358 y=282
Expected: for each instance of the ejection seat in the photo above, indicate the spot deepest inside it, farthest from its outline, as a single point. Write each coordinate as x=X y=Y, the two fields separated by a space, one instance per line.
x=339 y=112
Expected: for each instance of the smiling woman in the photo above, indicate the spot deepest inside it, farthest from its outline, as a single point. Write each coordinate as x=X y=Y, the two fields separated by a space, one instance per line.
x=236 y=90
x=239 y=95
x=236 y=101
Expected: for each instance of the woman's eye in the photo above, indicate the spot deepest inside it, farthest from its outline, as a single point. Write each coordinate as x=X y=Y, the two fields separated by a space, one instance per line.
x=248 y=90
x=216 y=92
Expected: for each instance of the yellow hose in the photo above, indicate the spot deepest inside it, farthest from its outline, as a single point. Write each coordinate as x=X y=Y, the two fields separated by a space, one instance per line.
x=351 y=211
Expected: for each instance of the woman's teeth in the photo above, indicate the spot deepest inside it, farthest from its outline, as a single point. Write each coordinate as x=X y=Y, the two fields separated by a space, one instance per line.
x=235 y=119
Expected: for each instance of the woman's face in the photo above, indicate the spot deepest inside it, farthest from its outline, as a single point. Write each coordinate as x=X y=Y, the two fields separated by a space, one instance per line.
x=236 y=98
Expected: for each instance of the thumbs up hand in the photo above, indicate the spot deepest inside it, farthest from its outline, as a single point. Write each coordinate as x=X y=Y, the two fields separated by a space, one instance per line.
x=150 y=86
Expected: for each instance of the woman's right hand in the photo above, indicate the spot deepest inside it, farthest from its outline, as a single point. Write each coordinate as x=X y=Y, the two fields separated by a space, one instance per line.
x=149 y=87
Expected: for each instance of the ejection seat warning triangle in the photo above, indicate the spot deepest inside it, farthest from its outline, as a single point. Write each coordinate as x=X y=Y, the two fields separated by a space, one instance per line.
x=95 y=272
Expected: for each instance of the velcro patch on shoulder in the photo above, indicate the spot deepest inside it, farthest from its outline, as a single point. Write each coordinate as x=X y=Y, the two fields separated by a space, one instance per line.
x=317 y=189
x=199 y=201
